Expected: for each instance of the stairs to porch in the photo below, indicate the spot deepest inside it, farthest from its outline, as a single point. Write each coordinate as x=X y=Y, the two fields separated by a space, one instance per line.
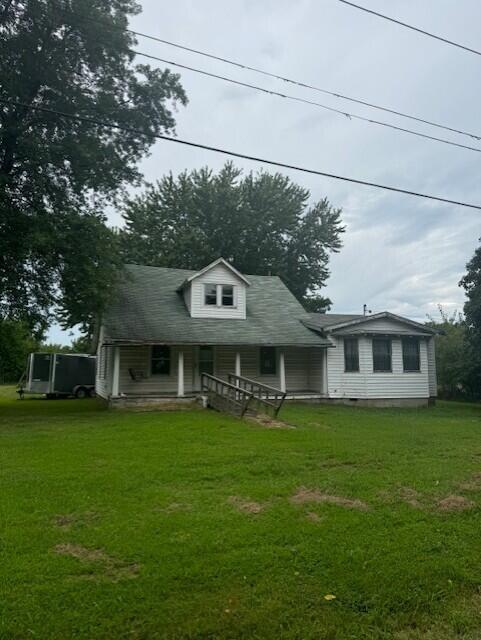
x=240 y=396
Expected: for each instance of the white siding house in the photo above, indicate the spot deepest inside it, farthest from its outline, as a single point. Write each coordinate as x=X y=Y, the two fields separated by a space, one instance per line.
x=167 y=327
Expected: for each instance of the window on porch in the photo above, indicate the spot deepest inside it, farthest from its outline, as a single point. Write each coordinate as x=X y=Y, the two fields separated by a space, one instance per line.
x=268 y=363
x=160 y=360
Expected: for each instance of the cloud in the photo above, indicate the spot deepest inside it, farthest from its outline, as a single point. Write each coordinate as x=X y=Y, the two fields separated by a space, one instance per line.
x=400 y=253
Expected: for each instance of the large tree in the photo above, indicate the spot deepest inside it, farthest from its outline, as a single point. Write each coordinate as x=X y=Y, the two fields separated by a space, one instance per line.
x=471 y=282
x=57 y=174
x=262 y=223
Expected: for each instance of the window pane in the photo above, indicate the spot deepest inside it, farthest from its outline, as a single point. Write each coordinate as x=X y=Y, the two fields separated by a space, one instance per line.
x=351 y=354
x=268 y=361
x=381 y=354
x=210 y=297
x=227 y=295
x=411 y=354
x=160 y=363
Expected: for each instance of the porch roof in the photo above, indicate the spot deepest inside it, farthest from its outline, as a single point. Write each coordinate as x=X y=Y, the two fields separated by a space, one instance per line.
x=149 y=310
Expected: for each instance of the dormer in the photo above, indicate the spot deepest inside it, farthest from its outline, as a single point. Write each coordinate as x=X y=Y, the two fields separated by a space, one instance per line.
x=216 y=291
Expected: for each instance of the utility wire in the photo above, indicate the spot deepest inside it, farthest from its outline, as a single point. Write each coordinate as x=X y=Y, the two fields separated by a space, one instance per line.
x=235 y=154
x=351 y=116
x=298 y=83
x=308 y=86
x=410 y=26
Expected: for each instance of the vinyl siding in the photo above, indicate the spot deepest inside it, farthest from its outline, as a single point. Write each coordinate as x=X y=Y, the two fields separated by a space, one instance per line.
x=105 y=355
x=369 y=384
x=138 y=358
x=217 y=275
x=303 y=369
x=382 y=325
x=433 y=380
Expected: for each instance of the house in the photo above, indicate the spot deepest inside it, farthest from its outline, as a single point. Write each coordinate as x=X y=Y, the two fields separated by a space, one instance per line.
x=166 y=327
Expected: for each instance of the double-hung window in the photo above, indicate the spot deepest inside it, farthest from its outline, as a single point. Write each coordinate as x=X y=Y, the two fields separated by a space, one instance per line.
x=227 y=295
x=411 y=360
x=210 y=294
x=268 y=363
x=160 y=360
x=351 y=355
x=219 y=295
x=381 y=354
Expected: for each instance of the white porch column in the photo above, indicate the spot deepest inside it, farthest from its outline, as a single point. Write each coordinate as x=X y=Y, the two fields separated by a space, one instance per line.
x=237 y=364
x=180 y=374
x=324 y=386
x=282 y=372
x=116 y=372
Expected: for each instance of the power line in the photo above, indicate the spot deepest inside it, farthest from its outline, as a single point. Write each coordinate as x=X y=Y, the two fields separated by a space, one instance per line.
x=308 y=86
x=351 y=116
x=298 y=83
x=235 y=154
x=410 y=26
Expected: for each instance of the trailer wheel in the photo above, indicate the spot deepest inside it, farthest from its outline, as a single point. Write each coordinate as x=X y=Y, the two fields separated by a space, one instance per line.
x=92 y=393
x=81 y=393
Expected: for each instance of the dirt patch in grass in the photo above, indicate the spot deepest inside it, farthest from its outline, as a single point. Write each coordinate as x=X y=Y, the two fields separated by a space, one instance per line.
x=314 y=517
x=473 y=484
x=110 y=568
x=270 y=423
x=304 y=496
x=411 y=497
x=455 y=503
x=67 y=520
x=246 y=506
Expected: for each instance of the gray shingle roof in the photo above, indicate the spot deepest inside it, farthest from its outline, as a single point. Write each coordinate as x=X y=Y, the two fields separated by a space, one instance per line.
x=328 y=319
x=148 y=309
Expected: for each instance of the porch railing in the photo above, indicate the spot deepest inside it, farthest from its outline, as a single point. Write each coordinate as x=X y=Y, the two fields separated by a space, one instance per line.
x=225 y=396
x=265 y=397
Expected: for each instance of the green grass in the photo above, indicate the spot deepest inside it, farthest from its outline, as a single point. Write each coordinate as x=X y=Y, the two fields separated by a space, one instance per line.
x=145 y=499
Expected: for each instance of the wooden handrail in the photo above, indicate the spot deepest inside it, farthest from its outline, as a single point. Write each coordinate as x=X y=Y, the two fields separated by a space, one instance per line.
x=275 y=402
x=226 y=394
x=231 y=376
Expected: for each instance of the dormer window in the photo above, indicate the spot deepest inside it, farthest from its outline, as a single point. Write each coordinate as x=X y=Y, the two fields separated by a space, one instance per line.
x=227 y=295
x=219 y=295
x=210 y=295
x=216 y=291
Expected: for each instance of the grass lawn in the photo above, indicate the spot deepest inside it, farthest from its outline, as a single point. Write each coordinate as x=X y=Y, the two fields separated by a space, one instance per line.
x=192 y=524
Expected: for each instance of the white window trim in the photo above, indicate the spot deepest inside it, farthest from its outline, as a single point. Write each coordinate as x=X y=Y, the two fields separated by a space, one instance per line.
x=211 y=284
x=218 y=291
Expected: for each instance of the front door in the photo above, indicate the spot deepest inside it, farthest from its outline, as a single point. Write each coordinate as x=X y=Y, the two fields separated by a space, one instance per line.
x=206 y=360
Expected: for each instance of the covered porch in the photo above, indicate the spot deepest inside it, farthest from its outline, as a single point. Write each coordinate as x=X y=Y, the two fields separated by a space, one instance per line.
x=155 y=372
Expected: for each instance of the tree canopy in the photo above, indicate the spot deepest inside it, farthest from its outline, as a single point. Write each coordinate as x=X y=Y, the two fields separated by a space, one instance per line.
x=262 y=223
x=471 y=282
x=56 y=174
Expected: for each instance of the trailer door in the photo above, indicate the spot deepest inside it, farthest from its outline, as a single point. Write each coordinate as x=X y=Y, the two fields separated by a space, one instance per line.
x=41 y=365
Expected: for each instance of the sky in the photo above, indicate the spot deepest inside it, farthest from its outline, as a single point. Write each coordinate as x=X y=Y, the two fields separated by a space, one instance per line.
x=400 y=253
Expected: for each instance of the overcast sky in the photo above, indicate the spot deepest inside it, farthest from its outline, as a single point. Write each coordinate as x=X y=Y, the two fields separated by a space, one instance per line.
x=400 y=253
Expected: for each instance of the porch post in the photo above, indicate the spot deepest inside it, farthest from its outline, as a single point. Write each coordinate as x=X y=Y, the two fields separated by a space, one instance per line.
x=116 y=372
x=180 y=374
x=282 y=372
x=324 y=386
x=237 y=364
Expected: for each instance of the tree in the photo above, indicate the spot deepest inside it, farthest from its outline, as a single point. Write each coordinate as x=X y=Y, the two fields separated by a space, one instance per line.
x=262 y=223
x=451 y=354
x=471 y=283
x=16 y=342
x=57 y=174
